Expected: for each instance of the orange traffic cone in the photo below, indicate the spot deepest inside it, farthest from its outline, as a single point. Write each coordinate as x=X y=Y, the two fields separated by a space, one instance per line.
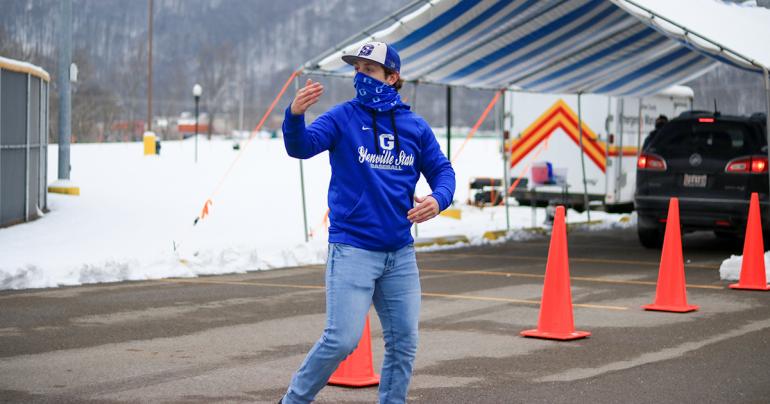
x=357 y=370
x=753 y=275
x=670 y=294
x=556 y=321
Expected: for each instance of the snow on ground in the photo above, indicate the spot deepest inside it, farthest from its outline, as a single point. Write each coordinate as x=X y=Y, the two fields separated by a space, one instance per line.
x=134 y=217
x=730 y=270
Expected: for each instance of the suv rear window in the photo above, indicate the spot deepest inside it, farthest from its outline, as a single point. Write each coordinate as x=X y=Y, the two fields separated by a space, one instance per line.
x=720 y=140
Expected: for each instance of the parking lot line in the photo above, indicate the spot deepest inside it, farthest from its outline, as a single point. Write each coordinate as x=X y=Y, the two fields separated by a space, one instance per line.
x=545 y=258
x=426 y=294
x=506 y=300
x=244 y=283
x=574 y=278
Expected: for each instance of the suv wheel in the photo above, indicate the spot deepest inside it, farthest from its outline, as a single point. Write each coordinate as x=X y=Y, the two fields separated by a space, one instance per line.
x=650 y=237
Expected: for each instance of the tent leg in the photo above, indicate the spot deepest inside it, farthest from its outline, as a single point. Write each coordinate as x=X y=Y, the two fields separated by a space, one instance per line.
x=639 y=133
x=506 y=171
x=302 y=179
x=620 y=109
x=607 y=152
x=304 y=208
x=449 y=122
x=582 y=158
x=414 y=109
x=767 y=116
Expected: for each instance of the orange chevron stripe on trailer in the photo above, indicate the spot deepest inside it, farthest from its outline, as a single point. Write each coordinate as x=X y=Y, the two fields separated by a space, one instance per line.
x=590 y=139
x=543 y=126
x=590 y=146
x=593 y=151
x=560 y=115
x=523 y=146
x=544 y=117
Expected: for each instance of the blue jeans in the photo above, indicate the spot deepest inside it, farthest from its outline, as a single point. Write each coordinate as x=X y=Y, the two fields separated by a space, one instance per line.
x=354 y=279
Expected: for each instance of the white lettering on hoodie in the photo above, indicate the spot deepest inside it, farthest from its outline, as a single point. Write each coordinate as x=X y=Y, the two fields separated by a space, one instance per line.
x=385 y=161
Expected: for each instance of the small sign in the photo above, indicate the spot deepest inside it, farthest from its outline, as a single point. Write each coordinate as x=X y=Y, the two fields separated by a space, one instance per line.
x=73 y=73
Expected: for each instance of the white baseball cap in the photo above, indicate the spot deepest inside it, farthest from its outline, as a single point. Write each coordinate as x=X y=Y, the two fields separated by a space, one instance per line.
x=379 y=52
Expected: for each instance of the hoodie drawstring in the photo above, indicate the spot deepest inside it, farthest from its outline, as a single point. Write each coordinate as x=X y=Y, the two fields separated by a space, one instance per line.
x=374 y=131
x=395 y=131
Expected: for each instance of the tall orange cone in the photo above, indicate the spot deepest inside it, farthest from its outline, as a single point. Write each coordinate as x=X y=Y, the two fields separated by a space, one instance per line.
x=357 y=370
x=753 y=276
x=556 y=321
x=671 y=294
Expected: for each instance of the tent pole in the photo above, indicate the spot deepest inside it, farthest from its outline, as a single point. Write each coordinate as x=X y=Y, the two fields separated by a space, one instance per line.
x=582 y=157
x=621 y=110
x=619 y=180
x=766 y=75
x=449 y=122
x=506 y=172
x=722 y=48
x=302 y=178
x=639 y=134
x=414 y=109
x=607 y=152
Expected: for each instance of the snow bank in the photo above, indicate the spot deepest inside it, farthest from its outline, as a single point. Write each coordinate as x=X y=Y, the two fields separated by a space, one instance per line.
x=134 y=217
x=730 y=270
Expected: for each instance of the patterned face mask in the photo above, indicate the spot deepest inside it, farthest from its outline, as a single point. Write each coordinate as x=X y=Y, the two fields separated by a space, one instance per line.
x=374 y=93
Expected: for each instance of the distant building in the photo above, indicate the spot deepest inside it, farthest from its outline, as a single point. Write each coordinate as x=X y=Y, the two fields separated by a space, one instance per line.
x=186 y=124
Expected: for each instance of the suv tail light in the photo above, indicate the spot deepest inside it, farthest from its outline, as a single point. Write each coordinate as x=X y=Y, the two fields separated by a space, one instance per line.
x=747 y=165
x=651 y=162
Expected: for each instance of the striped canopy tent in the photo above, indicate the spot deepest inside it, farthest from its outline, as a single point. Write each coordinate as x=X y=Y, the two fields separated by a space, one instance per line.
x=630 y=48
x=614 y=47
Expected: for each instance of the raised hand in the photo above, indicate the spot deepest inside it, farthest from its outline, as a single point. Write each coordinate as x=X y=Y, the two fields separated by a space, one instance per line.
x=306 y=96
x=426 y=209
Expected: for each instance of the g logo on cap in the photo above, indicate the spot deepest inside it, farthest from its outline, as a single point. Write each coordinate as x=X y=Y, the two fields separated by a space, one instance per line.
x=366 y=50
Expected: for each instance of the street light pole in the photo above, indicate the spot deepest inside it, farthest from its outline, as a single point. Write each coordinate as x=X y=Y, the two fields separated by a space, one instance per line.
x=197 y=91
x=149 y=66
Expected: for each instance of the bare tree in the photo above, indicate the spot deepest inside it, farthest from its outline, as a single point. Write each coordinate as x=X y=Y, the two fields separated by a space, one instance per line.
x=216 y=67
x=93 y=107
x=14 y=50
x=130 y=84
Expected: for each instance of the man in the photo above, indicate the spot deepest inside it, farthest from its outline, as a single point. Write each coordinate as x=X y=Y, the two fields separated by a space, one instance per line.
x=660 y=122
x=377 y=150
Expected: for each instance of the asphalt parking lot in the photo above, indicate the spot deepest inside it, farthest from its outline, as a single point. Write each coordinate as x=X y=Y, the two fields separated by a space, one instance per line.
x=238 y=338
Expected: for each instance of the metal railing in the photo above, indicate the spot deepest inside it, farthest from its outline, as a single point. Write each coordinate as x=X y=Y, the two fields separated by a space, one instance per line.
x=23 y=144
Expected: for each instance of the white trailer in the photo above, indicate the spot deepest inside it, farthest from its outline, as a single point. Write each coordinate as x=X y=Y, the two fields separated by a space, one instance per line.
x=546 y=128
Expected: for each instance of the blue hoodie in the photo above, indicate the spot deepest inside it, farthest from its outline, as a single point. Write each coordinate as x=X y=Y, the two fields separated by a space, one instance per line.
x=373 y=176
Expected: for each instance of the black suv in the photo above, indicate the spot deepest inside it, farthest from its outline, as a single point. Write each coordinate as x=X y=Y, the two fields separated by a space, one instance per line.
x=712 y=163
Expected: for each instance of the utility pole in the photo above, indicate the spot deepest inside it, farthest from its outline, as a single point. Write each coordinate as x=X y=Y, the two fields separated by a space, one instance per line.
x=67 y=72
x=149 y=66
x=65 y=106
